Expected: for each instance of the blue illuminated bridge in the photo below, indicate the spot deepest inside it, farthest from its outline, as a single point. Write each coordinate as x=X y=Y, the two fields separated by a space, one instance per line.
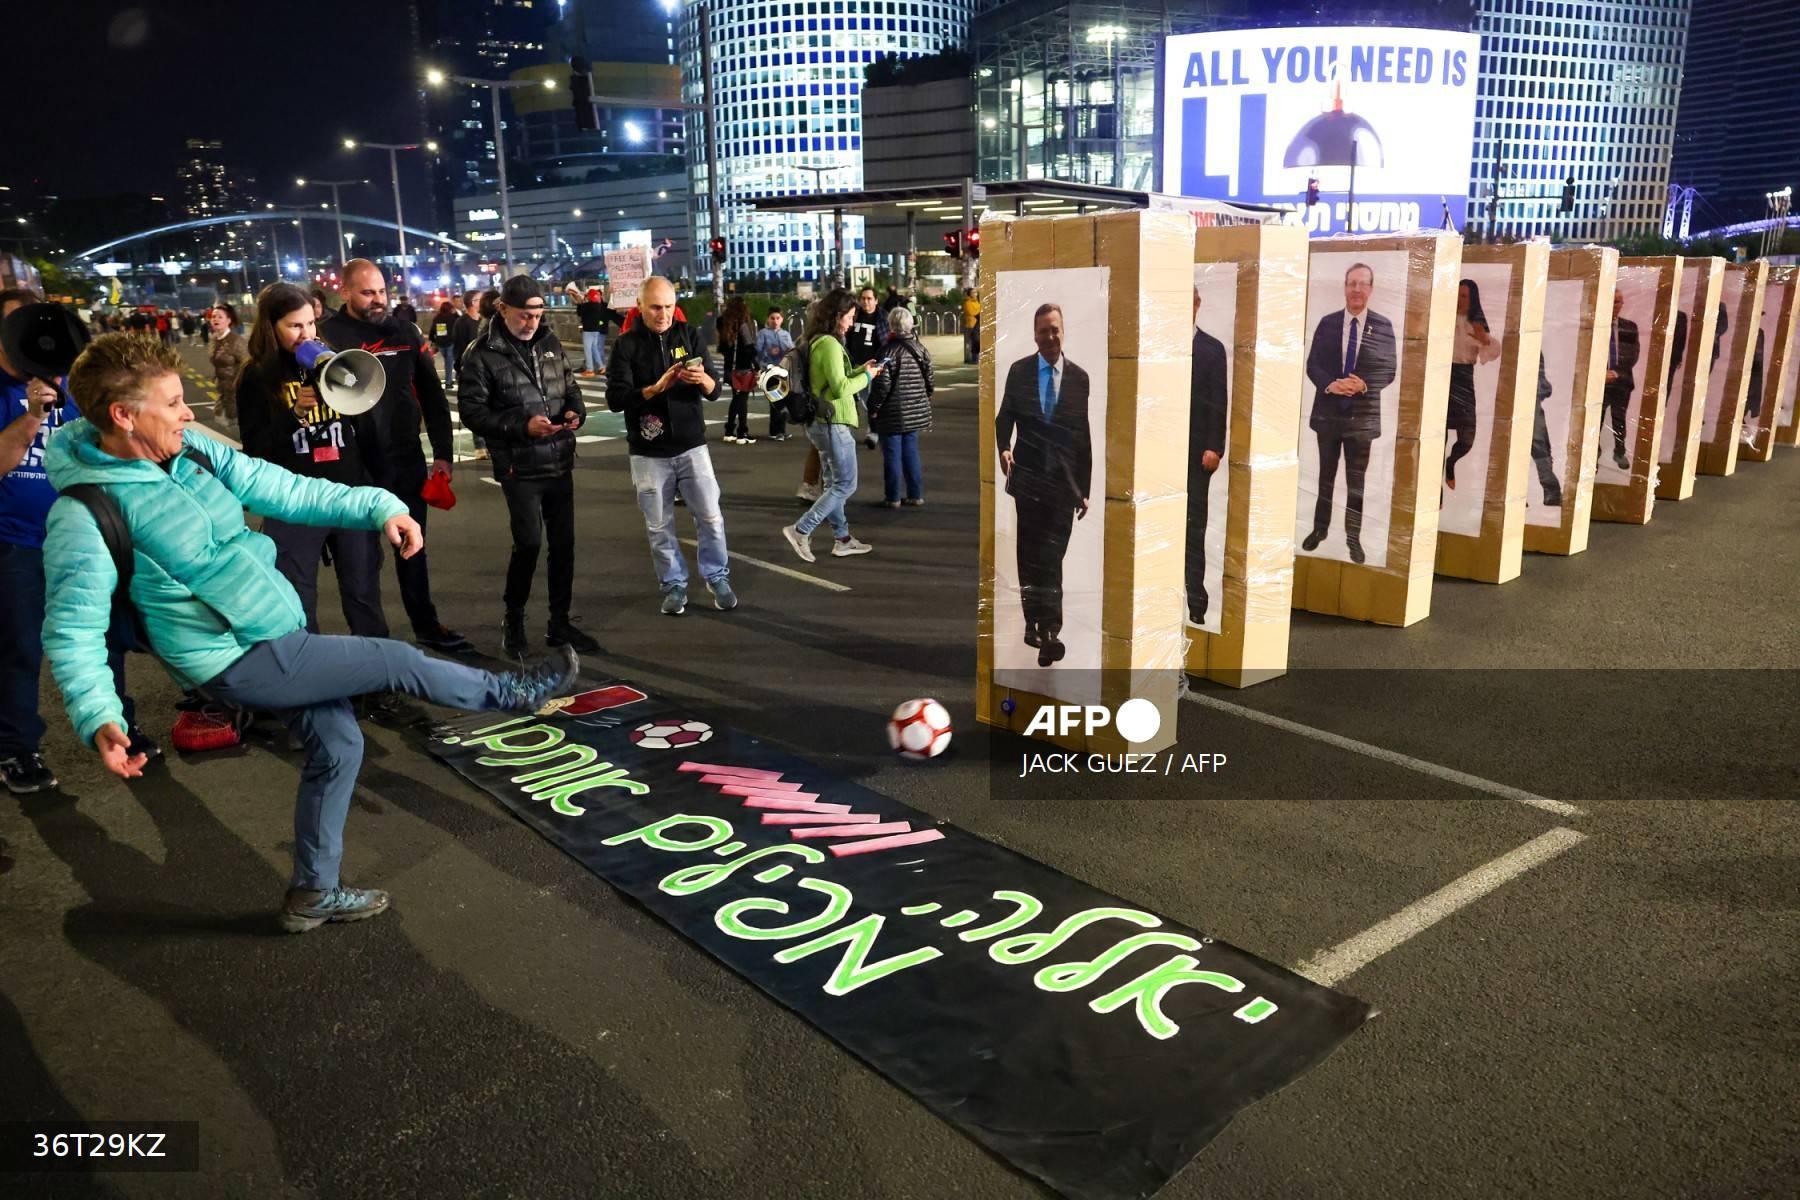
x=286 y=215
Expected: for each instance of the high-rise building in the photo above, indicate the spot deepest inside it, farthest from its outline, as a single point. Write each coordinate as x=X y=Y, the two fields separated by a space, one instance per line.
x=481 y=39
x=1734 y=140
x=208 y=187
x=787 y=96
x=1582 y=90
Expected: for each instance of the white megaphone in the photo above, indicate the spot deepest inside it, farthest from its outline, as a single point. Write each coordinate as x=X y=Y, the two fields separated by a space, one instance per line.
x=350 y=381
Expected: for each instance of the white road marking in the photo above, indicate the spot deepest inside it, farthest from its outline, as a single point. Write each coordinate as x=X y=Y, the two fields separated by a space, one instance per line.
x=1346 y=958
x=827 y=584
x=1448 y=774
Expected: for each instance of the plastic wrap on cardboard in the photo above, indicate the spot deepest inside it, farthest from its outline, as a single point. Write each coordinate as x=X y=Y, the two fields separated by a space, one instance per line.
x=1765 y=396
x=1722 y=421
x=1085 y=340
x=1380 y=313
x=1636 y=339
x=1575 y=348
x=1498 y=457
x=1242 y=393
x=1700 y=321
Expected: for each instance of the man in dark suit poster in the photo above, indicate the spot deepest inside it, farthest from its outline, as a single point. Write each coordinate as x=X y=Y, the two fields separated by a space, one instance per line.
x=1540 y=442
x=1352 y=359
x=1677 y=353
x=1621 y=358
x=1207 y=408
x=1047 y=457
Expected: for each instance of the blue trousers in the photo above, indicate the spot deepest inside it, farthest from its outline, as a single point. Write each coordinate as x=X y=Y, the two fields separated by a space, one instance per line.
x=593 y=349
x=22 y=651
x=900 y=460
x=837 y=471
x=309 y=680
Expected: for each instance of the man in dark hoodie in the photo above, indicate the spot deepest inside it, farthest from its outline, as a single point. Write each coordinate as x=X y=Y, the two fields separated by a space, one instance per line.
x=517 y=391
x=389 y=432
x=657 y=377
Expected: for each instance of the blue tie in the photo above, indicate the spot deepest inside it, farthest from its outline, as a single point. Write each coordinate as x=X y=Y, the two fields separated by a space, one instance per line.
x=1046 y=389
x=1350 y=350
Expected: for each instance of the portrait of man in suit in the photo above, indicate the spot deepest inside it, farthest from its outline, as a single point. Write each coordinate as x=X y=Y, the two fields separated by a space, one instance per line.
x=1677 y=355
x=1207 y=408
x=1047 y=457
x=1621 y=360
x=1353 y=357
x=1541 y=455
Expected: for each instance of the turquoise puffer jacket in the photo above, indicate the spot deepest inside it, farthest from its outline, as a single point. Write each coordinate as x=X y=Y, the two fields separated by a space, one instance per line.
x=204 y=582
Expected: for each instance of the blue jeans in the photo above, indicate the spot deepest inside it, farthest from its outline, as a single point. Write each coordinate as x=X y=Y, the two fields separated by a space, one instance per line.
x=657 y=480
x=837 y=475
x=593 y=346
x=900 y=458
x=22 y=651
x=447 y=352
x=309 y=679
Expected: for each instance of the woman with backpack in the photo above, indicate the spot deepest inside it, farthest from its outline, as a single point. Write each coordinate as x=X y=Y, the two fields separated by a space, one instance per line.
x=283 y=420
x=737 y=350
x=900 y=407
x=833 y=388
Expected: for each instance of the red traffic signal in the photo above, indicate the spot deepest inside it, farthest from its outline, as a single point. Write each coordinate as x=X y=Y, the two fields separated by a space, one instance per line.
x=974 y=241
x=717 y=246
x=953 y=243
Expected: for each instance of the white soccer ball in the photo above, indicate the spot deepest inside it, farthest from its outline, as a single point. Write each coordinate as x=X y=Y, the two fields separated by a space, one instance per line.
x=671 y=735
x=919 y=729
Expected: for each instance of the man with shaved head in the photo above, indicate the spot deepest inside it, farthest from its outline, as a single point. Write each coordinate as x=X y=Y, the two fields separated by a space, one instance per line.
x=390 y=431
x=657 y=377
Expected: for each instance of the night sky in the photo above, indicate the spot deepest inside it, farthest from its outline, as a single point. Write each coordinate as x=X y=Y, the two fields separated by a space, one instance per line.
x=104 y=94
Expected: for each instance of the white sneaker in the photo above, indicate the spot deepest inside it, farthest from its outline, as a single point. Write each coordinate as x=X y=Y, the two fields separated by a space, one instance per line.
x=800 y=542
x=809 y=492
x=731 y=439
x=849 y=546
x=746 y=441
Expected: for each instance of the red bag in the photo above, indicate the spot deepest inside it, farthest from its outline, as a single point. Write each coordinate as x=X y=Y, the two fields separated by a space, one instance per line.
x=209 y=728
x=436 y=491
x=743 y=381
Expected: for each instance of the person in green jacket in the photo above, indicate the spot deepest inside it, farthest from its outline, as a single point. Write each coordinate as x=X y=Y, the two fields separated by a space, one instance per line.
x=217 y=613
x=833 y=431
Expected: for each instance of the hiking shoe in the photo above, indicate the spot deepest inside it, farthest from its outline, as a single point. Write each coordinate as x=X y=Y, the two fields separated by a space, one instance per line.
x=724 y=599
x=445 y=640
x=512 y=635
x=799 y=541
x=26 y=773
x=808 y=492
x=674 y=601
x=304 y=910
x=845 y=547
x=564 y=633
x=528 y=690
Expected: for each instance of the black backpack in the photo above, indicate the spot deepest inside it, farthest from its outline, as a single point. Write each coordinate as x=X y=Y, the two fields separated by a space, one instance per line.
x=802 y=405
x=117 y=536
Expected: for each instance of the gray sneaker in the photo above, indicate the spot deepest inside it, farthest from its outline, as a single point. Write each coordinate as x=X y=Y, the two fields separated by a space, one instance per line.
x=304 y=911
x=799 y=541
x=530 y=689
x=724 y=599
x=846 y=547
x=674 y=601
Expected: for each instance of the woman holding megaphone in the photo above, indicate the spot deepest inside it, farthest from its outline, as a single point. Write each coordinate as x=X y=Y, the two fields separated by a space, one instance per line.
x=283 y=420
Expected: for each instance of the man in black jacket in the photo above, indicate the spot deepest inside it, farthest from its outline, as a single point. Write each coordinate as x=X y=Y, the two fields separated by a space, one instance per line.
x=389 y=432
x=1621 y=359
x=657 y=377
x=517 y=391
x=1047 y=456
x=1352 y=359
x=1207 y=409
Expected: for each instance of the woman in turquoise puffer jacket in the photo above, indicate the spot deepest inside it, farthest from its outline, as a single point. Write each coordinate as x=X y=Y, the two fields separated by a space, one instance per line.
x=217 y=612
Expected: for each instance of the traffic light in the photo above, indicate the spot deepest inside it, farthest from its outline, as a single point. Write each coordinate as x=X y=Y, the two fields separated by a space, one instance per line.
x=581 y=94
x=717 y=246
x=974 y=242
x=1312 y=192
x=953 y=243
x=1568 y=196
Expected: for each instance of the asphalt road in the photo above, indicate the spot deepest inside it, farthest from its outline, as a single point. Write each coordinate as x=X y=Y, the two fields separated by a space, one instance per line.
x=1618 y=1020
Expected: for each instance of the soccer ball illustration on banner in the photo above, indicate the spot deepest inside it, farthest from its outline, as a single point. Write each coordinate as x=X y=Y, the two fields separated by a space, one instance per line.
x=670 y=735
x=919 y=729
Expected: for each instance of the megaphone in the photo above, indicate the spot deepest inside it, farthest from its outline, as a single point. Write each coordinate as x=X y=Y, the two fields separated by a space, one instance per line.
x=42 y=341
x=774 y=383
x=350 y=381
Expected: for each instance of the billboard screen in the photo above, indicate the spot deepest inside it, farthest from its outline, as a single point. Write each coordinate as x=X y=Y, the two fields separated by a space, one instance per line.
x=1252 y=114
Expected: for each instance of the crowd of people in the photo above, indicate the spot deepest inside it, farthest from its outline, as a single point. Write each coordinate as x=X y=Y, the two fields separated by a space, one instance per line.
x=232 y=611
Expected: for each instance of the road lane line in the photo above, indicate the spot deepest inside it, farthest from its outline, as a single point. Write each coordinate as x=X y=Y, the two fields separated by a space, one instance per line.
x=1346 y=958
x=1436 y=771
x=827 y=584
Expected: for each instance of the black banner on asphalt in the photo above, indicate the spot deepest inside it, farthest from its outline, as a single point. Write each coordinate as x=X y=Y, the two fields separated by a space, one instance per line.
x=1086 y=1040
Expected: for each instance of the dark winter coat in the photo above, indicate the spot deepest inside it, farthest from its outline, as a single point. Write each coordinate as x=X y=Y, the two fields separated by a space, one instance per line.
x=501 y=384
x=900 y=397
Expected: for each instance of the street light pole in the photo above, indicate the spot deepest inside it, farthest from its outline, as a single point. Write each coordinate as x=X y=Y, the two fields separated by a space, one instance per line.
x=714 y=224
x=438 y=78
x=819 y=174
x=393 y=150
x=337 y=211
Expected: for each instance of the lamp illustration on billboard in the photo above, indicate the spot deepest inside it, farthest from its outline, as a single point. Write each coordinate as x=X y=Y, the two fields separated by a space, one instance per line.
x=1336 y=138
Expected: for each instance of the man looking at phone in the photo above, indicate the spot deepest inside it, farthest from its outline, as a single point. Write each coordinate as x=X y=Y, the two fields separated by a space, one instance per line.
x=30 y=411
x=516 y=391
x=657 y=377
